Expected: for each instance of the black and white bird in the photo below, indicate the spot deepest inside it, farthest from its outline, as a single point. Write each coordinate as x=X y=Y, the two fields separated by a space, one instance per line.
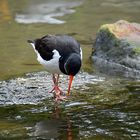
x=59 y=54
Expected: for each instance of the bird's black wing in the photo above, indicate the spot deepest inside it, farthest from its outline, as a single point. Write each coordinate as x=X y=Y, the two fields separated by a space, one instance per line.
x=64 y=44
x=43 y=47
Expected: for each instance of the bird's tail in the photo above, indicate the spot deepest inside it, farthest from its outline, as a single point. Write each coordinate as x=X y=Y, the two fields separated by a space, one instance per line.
x=31 y=41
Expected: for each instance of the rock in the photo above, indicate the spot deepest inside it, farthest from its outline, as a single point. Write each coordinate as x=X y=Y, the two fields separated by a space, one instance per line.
x=117 y=49
x=33 y=88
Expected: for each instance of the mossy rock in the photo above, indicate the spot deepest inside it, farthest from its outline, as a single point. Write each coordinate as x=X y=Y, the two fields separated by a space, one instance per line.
x=117 y=49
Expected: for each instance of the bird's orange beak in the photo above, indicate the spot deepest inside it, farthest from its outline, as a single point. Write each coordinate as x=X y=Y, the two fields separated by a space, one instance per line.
x=70 y=83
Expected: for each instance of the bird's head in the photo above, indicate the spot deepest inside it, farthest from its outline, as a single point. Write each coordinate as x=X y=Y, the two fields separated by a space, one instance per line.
x=73 y=64
x=72 y=67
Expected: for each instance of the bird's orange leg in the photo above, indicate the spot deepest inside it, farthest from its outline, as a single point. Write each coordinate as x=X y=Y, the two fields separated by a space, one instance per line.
x=58 y=92
x=56 y=87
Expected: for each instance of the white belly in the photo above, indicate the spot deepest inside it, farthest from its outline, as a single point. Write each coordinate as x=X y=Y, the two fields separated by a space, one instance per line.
x=52 y=65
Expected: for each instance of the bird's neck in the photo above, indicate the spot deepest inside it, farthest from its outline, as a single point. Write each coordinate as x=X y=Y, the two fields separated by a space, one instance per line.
x=70 y=64
x=62 y=61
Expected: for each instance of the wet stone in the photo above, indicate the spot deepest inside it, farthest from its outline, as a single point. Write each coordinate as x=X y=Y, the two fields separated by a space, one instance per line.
x=35 y=87
x=116 y=50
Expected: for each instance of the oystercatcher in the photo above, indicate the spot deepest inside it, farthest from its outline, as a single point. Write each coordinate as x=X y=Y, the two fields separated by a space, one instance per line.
x=59 y=54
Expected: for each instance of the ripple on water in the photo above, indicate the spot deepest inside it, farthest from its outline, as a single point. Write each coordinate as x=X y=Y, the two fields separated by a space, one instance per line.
x=75 y=104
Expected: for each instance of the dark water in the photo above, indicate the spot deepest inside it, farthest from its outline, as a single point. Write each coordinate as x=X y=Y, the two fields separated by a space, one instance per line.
x=100 y=107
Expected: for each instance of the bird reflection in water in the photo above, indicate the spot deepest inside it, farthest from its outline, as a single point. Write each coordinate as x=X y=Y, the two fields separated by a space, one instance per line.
x=57 y=115
x=57 y=126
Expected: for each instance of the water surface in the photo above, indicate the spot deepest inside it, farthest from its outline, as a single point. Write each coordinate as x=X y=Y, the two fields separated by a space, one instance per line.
x=102 y=107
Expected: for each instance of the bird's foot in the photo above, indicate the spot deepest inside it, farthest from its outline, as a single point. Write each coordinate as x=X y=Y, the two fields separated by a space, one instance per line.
x=59 y=97
x=56 y=89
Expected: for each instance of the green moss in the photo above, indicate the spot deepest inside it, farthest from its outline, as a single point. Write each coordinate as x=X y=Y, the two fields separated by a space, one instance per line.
x=137 y=50
x=108 y=28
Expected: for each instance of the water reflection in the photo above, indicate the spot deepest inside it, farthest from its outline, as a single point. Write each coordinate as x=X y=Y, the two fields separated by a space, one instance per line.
x=4 y=11
x=46 y=129
x=46 y=12
x=77 y=119
x=58 y=125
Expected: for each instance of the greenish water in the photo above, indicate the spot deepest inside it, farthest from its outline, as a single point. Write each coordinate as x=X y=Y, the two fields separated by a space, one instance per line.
x=107 y=110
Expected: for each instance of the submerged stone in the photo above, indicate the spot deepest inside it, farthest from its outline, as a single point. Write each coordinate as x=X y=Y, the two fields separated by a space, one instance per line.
x=33 y=88
x=117 y=49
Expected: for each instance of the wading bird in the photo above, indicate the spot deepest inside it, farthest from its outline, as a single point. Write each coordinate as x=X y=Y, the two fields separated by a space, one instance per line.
x=59 y=54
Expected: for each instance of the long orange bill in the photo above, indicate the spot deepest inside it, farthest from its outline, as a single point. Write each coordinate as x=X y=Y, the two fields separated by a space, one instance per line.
x=70 y=83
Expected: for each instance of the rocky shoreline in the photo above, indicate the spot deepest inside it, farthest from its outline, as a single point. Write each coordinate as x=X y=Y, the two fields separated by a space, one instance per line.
x=35 y=87
x=116 y=49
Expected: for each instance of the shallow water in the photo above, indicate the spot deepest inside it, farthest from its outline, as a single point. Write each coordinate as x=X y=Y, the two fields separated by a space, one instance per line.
x=100 y=107
x=45 y=12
